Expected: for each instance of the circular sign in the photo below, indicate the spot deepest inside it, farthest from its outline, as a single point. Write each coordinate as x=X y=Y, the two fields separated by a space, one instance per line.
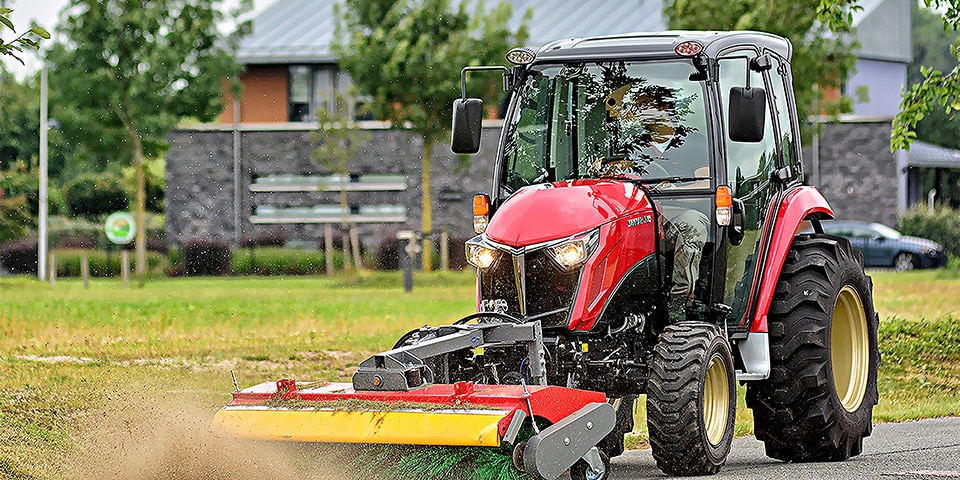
x=120 y=228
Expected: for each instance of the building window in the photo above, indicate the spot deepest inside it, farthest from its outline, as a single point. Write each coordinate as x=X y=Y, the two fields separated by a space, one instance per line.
x=313 y=87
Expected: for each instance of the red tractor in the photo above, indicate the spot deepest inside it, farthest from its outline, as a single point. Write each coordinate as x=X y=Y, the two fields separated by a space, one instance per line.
x=641 y=238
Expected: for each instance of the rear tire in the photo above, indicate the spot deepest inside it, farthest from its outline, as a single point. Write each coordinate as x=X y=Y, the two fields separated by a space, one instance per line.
x=691 y=399
x=818 y=403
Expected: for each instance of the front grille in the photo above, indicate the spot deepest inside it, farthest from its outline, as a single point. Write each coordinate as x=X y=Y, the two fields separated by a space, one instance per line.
x=548 y=286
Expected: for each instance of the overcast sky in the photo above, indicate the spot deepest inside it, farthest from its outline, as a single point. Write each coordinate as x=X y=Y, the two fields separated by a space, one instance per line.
x=46 y=13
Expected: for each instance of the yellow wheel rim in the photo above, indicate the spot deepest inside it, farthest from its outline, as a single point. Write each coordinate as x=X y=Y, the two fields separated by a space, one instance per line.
x=850 y=347
x=716 y=401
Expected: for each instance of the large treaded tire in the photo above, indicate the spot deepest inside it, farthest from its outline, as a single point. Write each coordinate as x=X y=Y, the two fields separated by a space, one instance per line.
x=691 y=399
x=822 y=295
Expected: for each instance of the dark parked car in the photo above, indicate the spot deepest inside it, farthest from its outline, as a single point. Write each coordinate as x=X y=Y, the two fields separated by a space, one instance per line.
x=883 y=246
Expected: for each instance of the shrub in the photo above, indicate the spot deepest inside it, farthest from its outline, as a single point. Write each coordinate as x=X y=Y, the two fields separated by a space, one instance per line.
x=388 y=255
x=95 y=194
x=458 y=252
x=14 y=218
x=77 y=241
x=20 y=257
x=267 y=239
x=283 y=261
x=942 y=226
x=206 y=257
x=102 y=264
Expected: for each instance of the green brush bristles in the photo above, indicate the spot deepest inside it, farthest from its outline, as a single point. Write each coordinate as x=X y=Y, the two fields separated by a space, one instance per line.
x=395 y=462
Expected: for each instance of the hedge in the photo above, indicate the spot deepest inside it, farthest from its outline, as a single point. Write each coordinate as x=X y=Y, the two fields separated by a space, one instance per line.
x=282 y=261
x=941 y=226
x=103 y=264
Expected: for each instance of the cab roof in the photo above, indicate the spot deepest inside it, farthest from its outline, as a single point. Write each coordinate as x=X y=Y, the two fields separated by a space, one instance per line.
x=659 y=44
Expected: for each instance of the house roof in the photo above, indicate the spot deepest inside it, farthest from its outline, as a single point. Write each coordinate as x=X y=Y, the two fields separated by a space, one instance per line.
x=301 y=31
x=923 y=154
x=883 y=30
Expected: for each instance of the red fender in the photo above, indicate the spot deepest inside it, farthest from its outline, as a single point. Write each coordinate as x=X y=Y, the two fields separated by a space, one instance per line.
x=797 y=205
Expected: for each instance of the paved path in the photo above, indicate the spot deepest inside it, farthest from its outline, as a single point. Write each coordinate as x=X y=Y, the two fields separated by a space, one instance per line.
x=926 y=449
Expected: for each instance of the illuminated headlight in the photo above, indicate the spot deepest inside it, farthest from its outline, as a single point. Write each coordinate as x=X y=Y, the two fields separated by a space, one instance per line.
x=570 y=254
x=480 y=256
x=575 y=252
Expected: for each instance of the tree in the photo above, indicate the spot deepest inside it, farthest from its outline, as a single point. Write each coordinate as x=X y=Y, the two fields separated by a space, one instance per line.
x=407 y=55
x=131 y=70
x=338 y=141
x=820 y=60
x=931 y=48
x=936 y=87
x=26 y=39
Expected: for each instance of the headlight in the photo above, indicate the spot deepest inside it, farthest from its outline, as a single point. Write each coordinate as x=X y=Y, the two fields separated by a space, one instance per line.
x=570 y=254
x=575 y=252
x=480 y=256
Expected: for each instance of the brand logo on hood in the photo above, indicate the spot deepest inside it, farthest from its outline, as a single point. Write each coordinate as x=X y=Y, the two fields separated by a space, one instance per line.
x=634 y=222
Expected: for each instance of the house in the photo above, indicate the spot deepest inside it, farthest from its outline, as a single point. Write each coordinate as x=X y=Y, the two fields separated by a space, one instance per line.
x=253 y=172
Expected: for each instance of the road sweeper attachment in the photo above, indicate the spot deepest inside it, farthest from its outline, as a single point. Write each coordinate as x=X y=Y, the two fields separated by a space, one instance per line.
x=394 y=399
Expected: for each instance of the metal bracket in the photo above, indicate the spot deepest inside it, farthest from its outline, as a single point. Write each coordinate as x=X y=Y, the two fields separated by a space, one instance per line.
x=406 y=368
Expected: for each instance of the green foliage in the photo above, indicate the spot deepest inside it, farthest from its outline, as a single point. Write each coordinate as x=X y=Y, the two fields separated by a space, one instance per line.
x=29 y=39
x=407 y=56
x=206 y=257
x=819 y=58
x=131 y=70
x=93 y=194
x=943 y=226
x=282 y=261
x=20 y=257
x=936 y=87
x=154 y=177
x=14 y=218
x=102 y=263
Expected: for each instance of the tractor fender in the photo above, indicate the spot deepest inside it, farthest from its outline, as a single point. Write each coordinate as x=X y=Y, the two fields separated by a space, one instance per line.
x=797 y=205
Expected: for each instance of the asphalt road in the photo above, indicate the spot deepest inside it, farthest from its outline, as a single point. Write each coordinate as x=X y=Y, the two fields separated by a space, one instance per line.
x=926 y=449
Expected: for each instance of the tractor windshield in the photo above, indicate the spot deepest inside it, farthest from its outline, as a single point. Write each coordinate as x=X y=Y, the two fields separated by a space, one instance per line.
x=641 y=120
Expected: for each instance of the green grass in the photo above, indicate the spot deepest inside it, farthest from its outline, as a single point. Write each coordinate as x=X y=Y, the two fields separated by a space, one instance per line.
x=107 y=382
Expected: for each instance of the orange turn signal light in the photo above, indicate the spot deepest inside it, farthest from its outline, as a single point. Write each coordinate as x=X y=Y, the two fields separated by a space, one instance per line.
x=481 y=205
x=724 y=196
x=724 y=205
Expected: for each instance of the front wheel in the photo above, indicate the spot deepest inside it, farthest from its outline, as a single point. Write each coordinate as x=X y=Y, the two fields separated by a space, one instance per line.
x=691 y=399
x=583 y=471
x=818 y=402
x=904 y=261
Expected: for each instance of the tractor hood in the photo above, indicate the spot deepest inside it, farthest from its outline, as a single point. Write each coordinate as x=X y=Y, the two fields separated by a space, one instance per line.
x=540 y=213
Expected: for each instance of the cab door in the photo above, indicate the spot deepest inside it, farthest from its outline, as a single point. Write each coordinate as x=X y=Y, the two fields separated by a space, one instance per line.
x=755 y=170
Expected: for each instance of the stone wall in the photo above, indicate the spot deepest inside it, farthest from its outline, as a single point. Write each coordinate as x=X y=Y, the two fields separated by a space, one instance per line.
x=858 y=172
x=858 y=176
x=200 y=200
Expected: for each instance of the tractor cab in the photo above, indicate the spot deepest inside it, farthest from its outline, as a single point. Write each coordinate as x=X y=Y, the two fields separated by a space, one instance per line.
x=702 y=123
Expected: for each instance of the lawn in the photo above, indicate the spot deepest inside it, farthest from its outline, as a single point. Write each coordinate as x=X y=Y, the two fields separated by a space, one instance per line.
x=114 y=383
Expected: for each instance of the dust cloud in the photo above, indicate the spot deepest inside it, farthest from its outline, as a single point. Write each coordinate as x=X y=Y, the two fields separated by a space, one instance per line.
x=156 y=438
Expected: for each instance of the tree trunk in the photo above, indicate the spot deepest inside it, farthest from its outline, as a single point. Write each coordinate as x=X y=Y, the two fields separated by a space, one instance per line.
x=140 y=241
x=427 y=227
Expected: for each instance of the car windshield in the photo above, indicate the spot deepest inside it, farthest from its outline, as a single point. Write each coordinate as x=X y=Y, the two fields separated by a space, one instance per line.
x=885 y=231
x=590 y=120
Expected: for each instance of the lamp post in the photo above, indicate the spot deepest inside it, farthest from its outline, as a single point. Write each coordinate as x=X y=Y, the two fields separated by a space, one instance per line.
x=42 y=220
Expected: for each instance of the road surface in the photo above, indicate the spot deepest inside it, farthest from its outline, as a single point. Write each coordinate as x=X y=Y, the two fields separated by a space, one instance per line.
x=925 y=449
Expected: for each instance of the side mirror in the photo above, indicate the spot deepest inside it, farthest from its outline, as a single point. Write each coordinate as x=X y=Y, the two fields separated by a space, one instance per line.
x=467 y=119
x=747 y=113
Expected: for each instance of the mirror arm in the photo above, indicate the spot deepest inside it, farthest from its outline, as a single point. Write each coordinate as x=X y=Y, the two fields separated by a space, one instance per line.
x=507 y=77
